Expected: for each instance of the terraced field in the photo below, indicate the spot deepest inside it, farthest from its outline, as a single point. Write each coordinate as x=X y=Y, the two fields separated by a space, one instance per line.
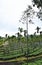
x=20 y=51
x=15 y=52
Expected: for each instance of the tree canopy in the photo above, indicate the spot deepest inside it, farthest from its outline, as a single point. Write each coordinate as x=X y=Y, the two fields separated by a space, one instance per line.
x=38 y=3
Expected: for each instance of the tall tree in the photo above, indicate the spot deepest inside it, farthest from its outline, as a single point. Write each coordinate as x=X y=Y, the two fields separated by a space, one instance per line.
x=6 y=35
x=34 y=33
x=20 y=29
x=27 y=17
x=25 y=32
x=18 y=34
x=38 y=28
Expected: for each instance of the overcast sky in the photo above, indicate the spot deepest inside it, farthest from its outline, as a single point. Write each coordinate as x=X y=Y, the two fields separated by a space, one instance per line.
x=10 y=13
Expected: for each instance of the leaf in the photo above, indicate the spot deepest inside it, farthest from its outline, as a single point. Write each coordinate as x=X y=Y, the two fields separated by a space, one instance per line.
x=30 y=21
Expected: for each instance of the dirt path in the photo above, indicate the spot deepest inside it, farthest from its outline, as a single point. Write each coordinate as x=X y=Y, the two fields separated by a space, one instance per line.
x=22 y=59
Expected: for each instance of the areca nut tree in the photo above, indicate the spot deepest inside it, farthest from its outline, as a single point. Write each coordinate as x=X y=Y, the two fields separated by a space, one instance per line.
x=20 y=29
x=27 y=17
x=25 y=32
x=38 y=28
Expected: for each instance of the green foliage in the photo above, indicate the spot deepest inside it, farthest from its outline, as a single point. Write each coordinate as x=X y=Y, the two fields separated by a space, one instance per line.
x=16 y=48
x=36 y=62
x=38 y=3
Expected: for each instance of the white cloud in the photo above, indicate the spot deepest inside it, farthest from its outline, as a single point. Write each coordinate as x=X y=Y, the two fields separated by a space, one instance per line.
x=10 y=13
